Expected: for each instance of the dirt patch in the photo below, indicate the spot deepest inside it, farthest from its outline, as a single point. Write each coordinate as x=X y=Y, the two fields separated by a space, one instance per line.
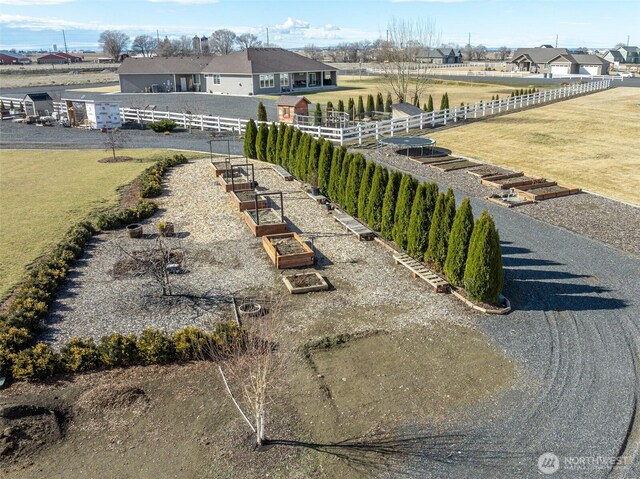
x=287 y=246
x=267 y=217
x=304 y=280
x=138 y=263
x=130 y=194
x=117 y=159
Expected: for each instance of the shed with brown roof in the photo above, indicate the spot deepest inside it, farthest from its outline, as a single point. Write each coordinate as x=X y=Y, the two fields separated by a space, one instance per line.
x=289 y=106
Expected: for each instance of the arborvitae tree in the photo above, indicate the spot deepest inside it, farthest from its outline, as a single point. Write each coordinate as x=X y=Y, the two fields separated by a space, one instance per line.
x=402 y=214
x=351 y=109
x=387 y=103
x=340 y=106
x=389 y=204
x=360 y=111
x=302 y=156
x=436 y=247
x=493 y=98
x=450 y=209
x=317 y=114
x=286 y=144
x=375 y=202
x=272 y=140
x=424 y=107
x=446 y=96
x=365 y=188
x=250 y=135
x=443 y=102
x=356 y=169
x=324 y=166
x=261 y=141
x=293 y=150
x=334 y=174
x=430 y=103
x=483 y=274
x=329 y=106
x=379 y=102
x=418 y=232
x=459 y=244
x=497 y=97
x=371 y=104
x=314 y=157
x=416 y=100
x=262 y=112
x=344 y=174
x=282 y=127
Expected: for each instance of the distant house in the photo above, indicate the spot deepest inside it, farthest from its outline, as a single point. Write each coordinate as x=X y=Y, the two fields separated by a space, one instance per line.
x=38 y=104
x=623 y=55
x=254 y=71
x=289 y=106
x=438 y=56
x=12 y=58
x=558 y=61
x=403 y=110
x=58 y=58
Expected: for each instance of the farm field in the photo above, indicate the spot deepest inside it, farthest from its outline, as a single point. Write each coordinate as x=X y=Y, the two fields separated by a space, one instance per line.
x=77 y=77
x=44 y=192
x=589 y=142
x=467 y=92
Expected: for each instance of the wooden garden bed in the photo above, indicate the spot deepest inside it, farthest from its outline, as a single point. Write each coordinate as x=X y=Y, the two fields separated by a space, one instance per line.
x=546 y=191
x=486 y=171
x=305 y=282
x=454 y=165
x=219 y=167
x=510 y=202
x=287 y=250
x=240 y=182
x=511 y=181
x=245 y=199
x=270 y=222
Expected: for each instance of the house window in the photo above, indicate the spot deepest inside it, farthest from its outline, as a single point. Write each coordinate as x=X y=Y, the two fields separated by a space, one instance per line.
x=312 y=79
x=266 y=81
x=284 y=79
x=285 y=112
x=196 y=79
x=216 y=79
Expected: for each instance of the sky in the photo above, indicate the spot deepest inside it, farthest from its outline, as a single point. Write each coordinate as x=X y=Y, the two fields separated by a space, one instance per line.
x=38 y=24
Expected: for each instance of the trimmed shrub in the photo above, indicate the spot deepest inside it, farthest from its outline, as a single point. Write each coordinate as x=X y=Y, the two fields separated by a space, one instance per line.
x=14 y=339
x=272 y=139
x=440 y=230
x=429 y=104
x=344 y=174
x=317 y=115
x=283 y=157
x=365 y=189
x=226 y=338
x=155 y=347
x=190 y=343
x=282 y=128
x=387 y=103
x=419 y=223
x=389 y=205
x=120 y=218
x=80 y=355
x=117 y=350
x=351 y=108
x=483 y=275
x=162 y=126
x=402 y=214
x=6 y=362
x=293 y=151
x=324 y=166
x=375 y=202
x=360 y=111
x=354 y=178
x=302 y=157
x=314 y=157
x=340 y=106
x=261 y=142
x=370 y=104
x=250 y=136
x=459 y=244
x=151 y=178
x=444 y=102
x=334 y=174
x=38 y=362
x=379 y=102
x=262 y=112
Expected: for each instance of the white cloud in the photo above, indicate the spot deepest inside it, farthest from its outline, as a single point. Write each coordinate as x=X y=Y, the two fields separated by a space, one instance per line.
x=291 y=24
x=37 y=23
x=330 y=28
x=185 y=2
x=29 y=3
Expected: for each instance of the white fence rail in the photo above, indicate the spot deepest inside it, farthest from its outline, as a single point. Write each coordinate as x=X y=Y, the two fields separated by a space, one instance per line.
x=362 y=131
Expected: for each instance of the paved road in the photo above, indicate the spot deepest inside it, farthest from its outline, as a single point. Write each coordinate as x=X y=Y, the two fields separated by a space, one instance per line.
x=574 y=335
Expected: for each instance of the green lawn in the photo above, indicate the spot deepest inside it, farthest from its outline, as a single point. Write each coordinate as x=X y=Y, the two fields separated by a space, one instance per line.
x=44 y=192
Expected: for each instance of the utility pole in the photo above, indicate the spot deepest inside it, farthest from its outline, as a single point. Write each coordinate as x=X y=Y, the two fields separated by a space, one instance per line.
x=469 y=39
x=158 y=35
x=65 y=42
x=627 y=40
x=267 y=37
x=556 y=40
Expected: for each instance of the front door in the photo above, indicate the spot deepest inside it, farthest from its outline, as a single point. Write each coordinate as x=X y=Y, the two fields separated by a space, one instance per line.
x=183 y=84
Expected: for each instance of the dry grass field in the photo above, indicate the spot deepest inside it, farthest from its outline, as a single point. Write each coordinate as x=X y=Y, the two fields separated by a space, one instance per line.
x=54 y=78
x=591 y=142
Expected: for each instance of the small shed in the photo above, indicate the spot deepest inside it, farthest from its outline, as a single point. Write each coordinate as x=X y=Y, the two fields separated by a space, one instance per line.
x=38 y=104
x=93 y=114
x=290 y=106
x=403 y=110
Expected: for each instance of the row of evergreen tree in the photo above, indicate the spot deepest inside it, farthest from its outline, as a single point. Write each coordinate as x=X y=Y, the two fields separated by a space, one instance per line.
x=416 y=216
x=524 y=91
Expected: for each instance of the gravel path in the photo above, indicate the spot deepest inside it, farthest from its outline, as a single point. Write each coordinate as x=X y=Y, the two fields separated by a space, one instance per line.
x=223 y=258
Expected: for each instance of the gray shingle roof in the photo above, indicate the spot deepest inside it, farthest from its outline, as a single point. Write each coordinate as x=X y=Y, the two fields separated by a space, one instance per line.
x=407 y=108
x=264 y=60
x=539 y=56
x=617 y=56
x=170 y=65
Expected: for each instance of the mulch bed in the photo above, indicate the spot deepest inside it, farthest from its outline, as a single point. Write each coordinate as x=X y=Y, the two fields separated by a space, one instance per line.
x=305 y=280
x=141 y=262
x=267 y=217
x=130 y=194
x=287 y=246
x=117 y=159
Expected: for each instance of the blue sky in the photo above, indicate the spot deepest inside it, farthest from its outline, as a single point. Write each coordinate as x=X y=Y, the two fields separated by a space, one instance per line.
x=596 y=24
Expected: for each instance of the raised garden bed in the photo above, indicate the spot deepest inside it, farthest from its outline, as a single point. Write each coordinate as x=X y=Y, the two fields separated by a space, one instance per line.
x=508 y=201
x=267 y=222
x=432 y=160
x=486 y=171
x=219 y=167
x=245 y=199
x=305 y=282
x=287 y=250
x=545 y=192
x=511 y=181
x=240 y=182
x=454 y=165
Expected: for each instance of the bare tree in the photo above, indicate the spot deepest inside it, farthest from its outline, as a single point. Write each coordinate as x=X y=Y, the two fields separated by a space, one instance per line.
x=114 y=139
x=114 y=43
x=311 y=51
x=248 y=40
x=183 y=46
x=467 y=52
x=165 y=48
x=405 y=77
x=479 y=52
x=222 y=41
x=503 y=53
x=253 y=366
x=145 y=45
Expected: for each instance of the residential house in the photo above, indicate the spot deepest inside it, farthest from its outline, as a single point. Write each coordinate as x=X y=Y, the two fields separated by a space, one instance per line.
x=623 y=55
x=578 y=63
x=613 y=56
x=289 y=106
x=12 y=58
x=254 y=71
x=58 y=58
x=535 y=60
x=438 y=56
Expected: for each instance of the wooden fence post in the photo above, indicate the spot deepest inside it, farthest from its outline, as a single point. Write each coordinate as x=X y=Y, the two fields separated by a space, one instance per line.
x=360 y=133
x=433 y=119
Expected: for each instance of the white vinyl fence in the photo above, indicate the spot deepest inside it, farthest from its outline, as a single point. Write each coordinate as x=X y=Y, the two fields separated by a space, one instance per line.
x=364 y=130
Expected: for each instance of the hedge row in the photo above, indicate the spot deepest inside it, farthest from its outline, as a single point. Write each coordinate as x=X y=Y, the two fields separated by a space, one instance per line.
x=152 y=346
x=151 y=178
x=415 y=216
